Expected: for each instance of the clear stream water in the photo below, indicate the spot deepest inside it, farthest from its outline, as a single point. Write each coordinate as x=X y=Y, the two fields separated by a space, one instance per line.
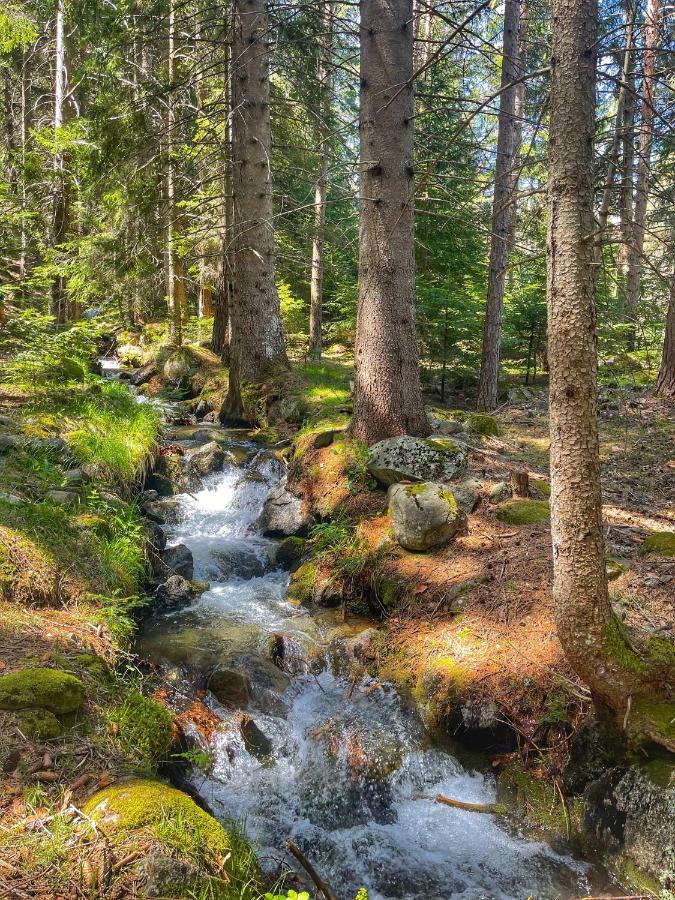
x=314 y=788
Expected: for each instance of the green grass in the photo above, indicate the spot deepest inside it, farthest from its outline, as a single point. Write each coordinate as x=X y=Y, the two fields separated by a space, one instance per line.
x=326 y=388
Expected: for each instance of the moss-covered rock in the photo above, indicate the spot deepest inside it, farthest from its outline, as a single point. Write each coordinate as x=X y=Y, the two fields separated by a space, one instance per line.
x=424 y=516
x=301 y=586
x=145 y=727
x=39 y=724
x=290 y=551
x=538 y=801
x=480 y=423
x=38 y=688
x=145 y=803
x=661 y=543
x=524 y=512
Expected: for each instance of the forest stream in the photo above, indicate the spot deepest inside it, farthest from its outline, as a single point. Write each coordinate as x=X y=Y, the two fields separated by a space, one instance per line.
x=345 y=770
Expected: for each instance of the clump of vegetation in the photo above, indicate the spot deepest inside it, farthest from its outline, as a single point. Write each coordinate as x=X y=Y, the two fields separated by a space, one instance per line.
x=145 y=728
x=524 y=512
x=661 y=543
x=50 y=689
x=481 y=423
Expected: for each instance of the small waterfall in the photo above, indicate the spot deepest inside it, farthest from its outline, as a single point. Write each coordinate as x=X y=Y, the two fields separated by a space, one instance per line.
x=350 y=765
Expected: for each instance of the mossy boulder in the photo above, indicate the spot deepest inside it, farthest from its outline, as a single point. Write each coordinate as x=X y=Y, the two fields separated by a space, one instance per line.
x=301 y=586
x=524 y=512
x=51 y=689
x=660 y=542
x=424 y=516
x=39 y=724
x=289 y=552
x=145 y=728
x=407 y=458
x=481 y=423
x=146 y=803
x=538 y=801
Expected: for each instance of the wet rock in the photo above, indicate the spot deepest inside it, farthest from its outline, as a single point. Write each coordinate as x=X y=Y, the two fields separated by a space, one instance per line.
x=241 y=560
x=143 y=374
x=155 y=535
x=178 y=471
x=202 y=408
x=629 y=811
x=207 y=459
x=290 y=551
x=589 y=758
x=424 y=516
x=283 y=514
x=178 y=560
x=160 y=484
x=230 y=687
x=467 y=494
x=256 y=742
x=364 y=647
x=407 y=458
x=500 y=492
x=174 y=593
x=163 y=511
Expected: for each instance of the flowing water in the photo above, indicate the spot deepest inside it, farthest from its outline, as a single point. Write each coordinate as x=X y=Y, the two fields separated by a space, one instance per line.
x=350 y=768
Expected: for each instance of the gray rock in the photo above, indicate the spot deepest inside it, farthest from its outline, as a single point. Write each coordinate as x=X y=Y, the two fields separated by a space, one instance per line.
x=363 y=647
x=155 y=535
x=283 y=514
x=11 y=442
x=179 y=561
x=143 y=375
x=256 y=742
x=444 y=427
x=12 y=499
x=407 y=458
x=207 y=459
x=63 y=498
x=202 y=408
x=163 y=511
x=500 y=492
x=231 y=687
x=424 y=516
x=467 y=494
x=174 y=593
x=75 y=478
x=634 y=814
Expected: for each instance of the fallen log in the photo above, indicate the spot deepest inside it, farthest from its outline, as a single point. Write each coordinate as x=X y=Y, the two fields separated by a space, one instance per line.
x=495 y=809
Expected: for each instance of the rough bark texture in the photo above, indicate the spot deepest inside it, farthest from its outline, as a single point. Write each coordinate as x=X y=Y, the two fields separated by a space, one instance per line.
x=256 y=334
x=665 y=384
x=636 y=687
x=644 y=162
x=503 y=209
x=58 y=301
x=175 y=325
x=387 y=394
x=222 y=299
x=323 y=132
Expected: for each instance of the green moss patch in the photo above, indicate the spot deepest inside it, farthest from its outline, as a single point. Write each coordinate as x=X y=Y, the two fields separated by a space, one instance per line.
x=538 y=801
x=301 y=587
x=145 y=727
x=49 y=689
x=39 y=724
x=542 y=486
x=661 y=543
x=480 y=423
x=524 y=512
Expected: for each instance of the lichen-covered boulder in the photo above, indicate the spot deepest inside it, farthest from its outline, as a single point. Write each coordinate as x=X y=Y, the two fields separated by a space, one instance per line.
x=283 y=514
x=50 y=689
x=500 y=492
x=407 y=458
x=207 y=459
x=424 y=516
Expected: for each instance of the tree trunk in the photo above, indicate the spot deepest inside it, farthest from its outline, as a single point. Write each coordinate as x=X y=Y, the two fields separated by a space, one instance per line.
x=325 y=87
x=615 y=147
x=627 y=683
x=643 y=167
x=626 y=192
x=175 y=324
x=222 y=298
x=665 y=384
x=256 y=333
x=503 y=210
x=58 y=303
x=387 y=391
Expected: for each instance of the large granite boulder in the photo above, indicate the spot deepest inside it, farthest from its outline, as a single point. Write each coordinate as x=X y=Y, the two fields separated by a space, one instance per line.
x=283 y=514
x=424 y=516
x=407 y=458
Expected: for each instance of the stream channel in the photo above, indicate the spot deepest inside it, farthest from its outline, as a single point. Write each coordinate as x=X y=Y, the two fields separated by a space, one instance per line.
x=359 y=823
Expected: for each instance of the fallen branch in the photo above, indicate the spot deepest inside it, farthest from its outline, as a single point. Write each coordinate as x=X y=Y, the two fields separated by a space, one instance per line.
x=495 y=809
x=311 y=871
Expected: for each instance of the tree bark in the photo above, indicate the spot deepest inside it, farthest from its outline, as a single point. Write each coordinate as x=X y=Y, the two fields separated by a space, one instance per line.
x=220 y=339
x=256 y=333
x=633 y=686
x=387 y=391
x=615 y=147
x=316 y=285
x=58 y=301
x=503 y=209
x=665 y=384
x=643 y=167
x=175 y=323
